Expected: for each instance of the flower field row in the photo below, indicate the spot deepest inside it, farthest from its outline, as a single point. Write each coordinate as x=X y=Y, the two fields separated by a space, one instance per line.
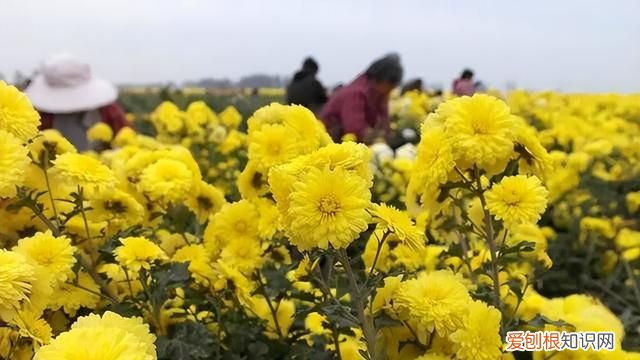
x=196 y=239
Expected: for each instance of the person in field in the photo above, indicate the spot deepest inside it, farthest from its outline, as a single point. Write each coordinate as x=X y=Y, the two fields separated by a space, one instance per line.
x=464 y=85
x=361 y=108
x=71 y=100
x=305 y=89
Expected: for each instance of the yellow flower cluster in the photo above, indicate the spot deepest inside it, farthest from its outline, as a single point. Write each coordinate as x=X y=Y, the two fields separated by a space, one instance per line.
x=276 y=240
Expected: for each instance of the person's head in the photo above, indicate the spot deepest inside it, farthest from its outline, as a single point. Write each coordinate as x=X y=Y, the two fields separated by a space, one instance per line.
x=65 y=84
x=467 y=74
x=385 y=73
x=309 y=65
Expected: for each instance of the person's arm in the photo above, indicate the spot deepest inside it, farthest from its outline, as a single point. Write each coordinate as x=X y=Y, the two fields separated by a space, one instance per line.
x=353 y=117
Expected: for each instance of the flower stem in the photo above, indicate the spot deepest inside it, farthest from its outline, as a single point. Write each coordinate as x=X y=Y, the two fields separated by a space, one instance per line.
x=491 y=241
x=273 y=311
x=378 y=251
x=45 y=166
x=368 y=328
x=82 y=212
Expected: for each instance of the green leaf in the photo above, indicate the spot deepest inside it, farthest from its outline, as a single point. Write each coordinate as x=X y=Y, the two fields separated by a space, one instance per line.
x=188 y=341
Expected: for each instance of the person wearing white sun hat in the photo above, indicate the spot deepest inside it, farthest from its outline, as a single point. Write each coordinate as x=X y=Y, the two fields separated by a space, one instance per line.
x=71 y=100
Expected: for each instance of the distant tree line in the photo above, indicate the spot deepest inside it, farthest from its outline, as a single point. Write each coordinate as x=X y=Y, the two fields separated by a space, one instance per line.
x=249 y=81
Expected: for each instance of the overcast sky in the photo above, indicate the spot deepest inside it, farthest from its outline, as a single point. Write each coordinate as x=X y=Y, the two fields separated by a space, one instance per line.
x=543 y=44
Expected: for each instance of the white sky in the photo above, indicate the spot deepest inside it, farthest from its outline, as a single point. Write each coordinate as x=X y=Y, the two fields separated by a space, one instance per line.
x=557 y=44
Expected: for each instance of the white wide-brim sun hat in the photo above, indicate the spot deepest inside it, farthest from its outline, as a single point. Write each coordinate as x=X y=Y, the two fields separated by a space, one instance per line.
x=65 y=85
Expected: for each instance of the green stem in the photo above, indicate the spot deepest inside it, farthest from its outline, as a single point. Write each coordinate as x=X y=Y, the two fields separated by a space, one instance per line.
x=274 y=314
x=632 y=277
x=54 y=229
x=368 y=328
x=378 y=251
x=45 y=167
x=336 y=340
x=491 y=241
x=82 y=212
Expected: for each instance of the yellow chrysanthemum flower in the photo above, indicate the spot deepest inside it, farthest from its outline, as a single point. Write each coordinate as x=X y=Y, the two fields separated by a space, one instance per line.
x=481 y=128
x=31 y=325
x=17 y=115
x=479 y=338
x=71 y=298
x=95 y=343
x=392 y=220
x=285 y=311
x=14 y=161
x=16 y=277
x=235 y=222
x=199 y=262
x=436 y=300
x=166 y=181
x=205 y=200
x=517 y=199
x=111 y=320
x=245 y=256
x=53 y=142
x=230 y=117
x=200 y=114
x=314 y=323
x=100 y=132
x=54 y=254
x=632 y=200
x=434 y=159
x=269 y=222
x=534 y=158
x=168 y=118
x=352 y=157
x=85 y=171
x=126 y=136
x=137 y=253
x=116 y=207
x=272 y=145
x=327 y=207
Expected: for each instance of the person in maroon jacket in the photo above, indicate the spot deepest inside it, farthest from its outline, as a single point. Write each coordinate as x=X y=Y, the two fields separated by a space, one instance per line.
x=71 y=100
x=361 y=108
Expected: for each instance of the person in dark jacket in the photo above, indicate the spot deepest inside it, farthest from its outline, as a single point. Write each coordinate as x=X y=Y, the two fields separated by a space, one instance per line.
x=305 y=89
x=361 y=108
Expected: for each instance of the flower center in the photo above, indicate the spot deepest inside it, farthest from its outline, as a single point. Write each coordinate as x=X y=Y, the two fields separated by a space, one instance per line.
x=204 y=203
x=328 y=205
x=240 y=226
x=480 y=127
x=274 y=148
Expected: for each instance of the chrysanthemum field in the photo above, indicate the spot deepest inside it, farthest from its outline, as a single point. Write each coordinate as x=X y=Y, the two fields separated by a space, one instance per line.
x=210 y=236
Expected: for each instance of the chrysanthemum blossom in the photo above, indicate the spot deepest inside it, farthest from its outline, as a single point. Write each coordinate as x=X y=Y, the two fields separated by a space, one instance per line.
x=84 y=171
x=272 y=145
x=137 y=253
x=16 y=278
x=479 y=338
x=54 y=254
x=235 y=222
x=434 y=159
x=436 y=300
x=481 y=128
x=328 y=207
x=205 y=200
x=392 y=220
x=166 y=181
x=13 y=164
x=111 y=320
x=100 y=132
x=517 y=199
x=17 y=115
x=95 y=343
